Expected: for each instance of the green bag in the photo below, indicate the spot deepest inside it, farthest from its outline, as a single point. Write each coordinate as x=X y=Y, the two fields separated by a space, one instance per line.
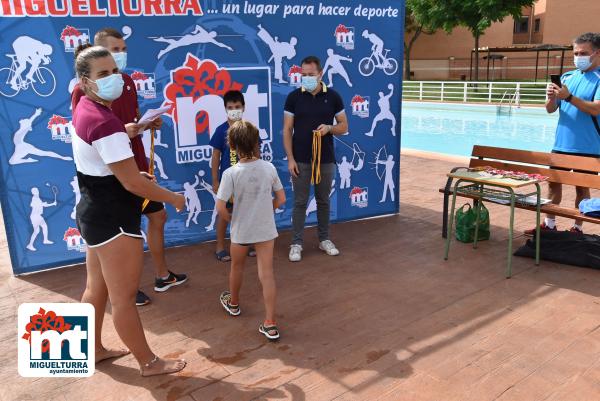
x=465 y=223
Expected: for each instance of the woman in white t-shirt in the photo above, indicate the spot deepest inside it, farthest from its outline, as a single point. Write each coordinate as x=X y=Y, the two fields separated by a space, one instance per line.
x=251 y=182
x=109 y=211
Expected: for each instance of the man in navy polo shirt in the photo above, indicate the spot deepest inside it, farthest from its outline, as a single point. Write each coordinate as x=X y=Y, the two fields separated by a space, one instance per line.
x=578 y=101
x=313 y=107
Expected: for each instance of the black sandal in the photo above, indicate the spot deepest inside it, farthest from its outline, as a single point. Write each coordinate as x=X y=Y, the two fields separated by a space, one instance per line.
x=266 y=331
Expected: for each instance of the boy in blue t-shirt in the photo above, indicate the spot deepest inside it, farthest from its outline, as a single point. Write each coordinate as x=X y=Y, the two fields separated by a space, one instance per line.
x=223 y=158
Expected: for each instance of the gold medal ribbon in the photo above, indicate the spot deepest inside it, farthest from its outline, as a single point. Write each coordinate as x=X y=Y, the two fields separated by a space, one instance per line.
x=315 y=175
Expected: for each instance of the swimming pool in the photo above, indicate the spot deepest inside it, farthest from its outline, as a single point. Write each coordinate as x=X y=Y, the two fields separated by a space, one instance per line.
x=455 y=128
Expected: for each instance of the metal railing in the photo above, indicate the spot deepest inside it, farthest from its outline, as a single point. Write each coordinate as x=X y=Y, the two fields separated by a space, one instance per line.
x=499 y=107
x=512 y=100
x=475 y=92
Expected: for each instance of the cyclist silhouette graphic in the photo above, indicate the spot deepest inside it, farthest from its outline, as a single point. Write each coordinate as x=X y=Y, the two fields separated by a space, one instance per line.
x=32 y=52
x=377 y=47
x=378 y=58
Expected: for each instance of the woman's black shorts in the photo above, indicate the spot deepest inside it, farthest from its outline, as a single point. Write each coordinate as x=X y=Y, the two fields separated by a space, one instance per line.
x=107 y=210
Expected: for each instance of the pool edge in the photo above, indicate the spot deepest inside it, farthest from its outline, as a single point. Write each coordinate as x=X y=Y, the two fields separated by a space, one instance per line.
x=433 y=155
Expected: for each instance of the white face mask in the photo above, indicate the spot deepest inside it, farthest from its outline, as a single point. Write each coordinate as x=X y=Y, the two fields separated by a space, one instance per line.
x=235 y=115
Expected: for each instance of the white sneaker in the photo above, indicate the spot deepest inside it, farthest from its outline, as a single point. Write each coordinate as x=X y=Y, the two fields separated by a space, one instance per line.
x=329 y=248
x=295 y=253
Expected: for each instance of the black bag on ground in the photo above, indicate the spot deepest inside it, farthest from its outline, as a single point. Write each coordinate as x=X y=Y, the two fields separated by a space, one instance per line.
x=565 y=247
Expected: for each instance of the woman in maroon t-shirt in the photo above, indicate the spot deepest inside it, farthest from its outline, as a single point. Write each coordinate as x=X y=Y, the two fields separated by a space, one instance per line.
x=109 y=212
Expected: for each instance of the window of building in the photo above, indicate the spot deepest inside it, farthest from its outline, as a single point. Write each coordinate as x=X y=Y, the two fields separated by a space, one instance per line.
x=522 y=25
x=536 y=25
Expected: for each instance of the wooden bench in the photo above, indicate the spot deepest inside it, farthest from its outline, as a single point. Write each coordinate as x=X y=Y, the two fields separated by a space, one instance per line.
x=535 y=163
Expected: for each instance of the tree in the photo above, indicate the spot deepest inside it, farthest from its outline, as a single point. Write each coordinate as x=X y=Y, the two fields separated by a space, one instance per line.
x=414 y=27
x=475 y=15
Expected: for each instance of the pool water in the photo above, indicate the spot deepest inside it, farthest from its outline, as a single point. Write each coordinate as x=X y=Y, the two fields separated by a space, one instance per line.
x=455 y=128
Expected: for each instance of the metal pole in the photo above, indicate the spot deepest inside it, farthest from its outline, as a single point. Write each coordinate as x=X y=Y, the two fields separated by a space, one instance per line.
x=548 y=64
x=449 y=233
x=510 y=233
x=537 y=222
x=488 y=65
x=562 y=61
x=477 y=217
x=537 y=60
x=471 y=67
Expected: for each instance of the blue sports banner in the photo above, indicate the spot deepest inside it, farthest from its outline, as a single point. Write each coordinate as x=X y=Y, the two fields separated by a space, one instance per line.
x=186 y=54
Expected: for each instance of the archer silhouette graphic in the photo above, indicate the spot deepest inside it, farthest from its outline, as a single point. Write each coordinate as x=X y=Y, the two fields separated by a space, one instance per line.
x=345 y=168
x=386 y=175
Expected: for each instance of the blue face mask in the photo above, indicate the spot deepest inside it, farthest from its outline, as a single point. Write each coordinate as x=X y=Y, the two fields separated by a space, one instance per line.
x=109 y=88
x=310 y=83
x=120 y=60
x=582 y=63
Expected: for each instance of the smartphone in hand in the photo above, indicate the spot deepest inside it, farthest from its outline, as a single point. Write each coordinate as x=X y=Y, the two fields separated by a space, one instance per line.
x=555 y=79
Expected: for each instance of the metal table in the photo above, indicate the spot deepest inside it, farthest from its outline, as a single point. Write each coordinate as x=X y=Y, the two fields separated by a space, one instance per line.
x=502 y=191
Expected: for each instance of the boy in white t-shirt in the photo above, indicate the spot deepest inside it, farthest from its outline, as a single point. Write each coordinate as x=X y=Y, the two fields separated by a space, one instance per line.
x=251 y=182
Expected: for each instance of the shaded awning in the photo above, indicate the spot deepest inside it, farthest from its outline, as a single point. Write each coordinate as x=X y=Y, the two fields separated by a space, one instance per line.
x=522 y=49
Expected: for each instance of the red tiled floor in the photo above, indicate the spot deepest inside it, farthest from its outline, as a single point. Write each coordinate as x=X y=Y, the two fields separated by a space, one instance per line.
x=387 y=320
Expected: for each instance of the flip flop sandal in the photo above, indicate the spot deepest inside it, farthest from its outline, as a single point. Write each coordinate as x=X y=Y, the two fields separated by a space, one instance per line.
x=252 y=252
x=223 y=256
x=266 y=331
